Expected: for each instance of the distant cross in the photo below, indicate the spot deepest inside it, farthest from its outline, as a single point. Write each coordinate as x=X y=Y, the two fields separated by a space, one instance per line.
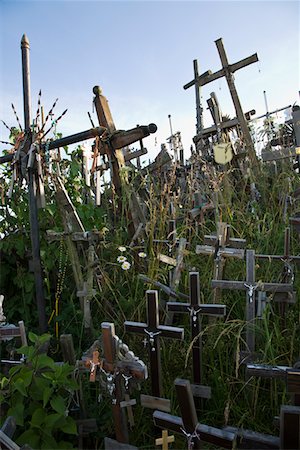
x=221 y=246
x=196 y=310
x=251 y=287
x=152 y=332
x=228 y=71
x=188 y=425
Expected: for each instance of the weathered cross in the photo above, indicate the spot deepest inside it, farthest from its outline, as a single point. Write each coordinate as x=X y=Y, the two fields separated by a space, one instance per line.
x=188 y=425
x=251 y=287
x=152 y=332
x=221 y=246
x=120 y=372
x=165 y=440
x=196 y=310
x=227 y=71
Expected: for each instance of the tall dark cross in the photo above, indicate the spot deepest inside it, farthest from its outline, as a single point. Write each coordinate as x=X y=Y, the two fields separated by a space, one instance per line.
x=196 y=310
x=152 y=332
x=188 y=425
x=227 y=71
x=120 y=371
x=251 y=287
x=31 y=168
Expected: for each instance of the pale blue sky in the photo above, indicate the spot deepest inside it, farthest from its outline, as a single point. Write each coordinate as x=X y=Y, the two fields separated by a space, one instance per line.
x=141 y=54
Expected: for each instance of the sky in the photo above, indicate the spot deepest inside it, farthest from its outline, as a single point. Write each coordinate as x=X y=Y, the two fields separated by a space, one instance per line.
x=141 y=54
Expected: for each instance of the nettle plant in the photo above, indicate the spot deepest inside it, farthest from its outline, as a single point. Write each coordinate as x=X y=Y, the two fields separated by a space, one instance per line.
x=38 y=393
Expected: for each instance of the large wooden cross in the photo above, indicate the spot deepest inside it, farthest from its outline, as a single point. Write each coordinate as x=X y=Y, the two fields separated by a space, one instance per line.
x=227 y=71
x=188 y=425
x=196 y=310
x=251 y=287
x=152 y=332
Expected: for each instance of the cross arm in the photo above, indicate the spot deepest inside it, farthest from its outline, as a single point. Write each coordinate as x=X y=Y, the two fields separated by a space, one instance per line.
x=167 y=421
x=78 y=137
x=135 y=327
x=171 y=332
x=266 y=371
x=203 y=309
x=242 y=285
x=243 y=63
x=121 y=138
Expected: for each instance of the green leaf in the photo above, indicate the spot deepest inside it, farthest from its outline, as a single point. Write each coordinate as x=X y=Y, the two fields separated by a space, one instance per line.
x=48 y=442
x=18 y=412
x=46 y=395
x=32 y=337
x=30 y=437
x=69 y=426
x=52 y=419
x=58 y=404
x=19 y=385
x=38 y=418
x=42 y=361
x=27 y=376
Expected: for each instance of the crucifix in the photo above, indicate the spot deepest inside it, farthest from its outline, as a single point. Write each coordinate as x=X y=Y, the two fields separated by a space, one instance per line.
x=251 y=287
x=284 y=298
x=221 y=246
x=188 y=426
x=228 y=71
x=119 y=371
x=152 y=332
x=196 y=310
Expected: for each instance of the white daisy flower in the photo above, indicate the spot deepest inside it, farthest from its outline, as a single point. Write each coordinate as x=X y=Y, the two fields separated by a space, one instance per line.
x=121 y=259
x=142 y=255
x=122 y=249
x=126 y=265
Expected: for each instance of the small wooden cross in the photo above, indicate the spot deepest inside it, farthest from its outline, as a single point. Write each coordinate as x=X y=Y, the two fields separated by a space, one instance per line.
x=188 y=424
x=165 y=440
x=152 y=332
x=128 y=403
x=196 y=310
x=93 y=364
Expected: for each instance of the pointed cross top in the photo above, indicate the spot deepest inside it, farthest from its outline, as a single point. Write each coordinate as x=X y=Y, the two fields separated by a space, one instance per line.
x=24 y=41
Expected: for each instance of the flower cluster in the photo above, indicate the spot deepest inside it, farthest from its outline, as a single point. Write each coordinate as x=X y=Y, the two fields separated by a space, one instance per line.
x=125 y=265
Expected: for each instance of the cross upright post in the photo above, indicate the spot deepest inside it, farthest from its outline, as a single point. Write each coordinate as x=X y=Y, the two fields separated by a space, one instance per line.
x=152 y=331
x=196 y=310
x=34 y=223
x=188 y=425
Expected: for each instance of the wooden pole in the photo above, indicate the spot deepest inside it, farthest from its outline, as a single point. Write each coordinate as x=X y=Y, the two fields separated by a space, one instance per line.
x=34 y=224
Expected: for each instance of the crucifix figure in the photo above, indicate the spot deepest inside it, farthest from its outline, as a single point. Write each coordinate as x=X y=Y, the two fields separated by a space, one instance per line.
x=196 y=310
x=152 y=332
x=119 y=371
x=227 y=71
x=188 y=425
x=251 y=288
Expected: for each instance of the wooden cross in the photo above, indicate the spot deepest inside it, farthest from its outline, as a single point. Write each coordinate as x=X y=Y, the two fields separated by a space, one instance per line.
x=196 y=310
x=228 y=71
x=188 y=425
x=152 y=332
x=111 y=444
x=165 y=440
x=117 y=367
x=221 y=246
x=251 y=287
x=6 y=433
x=291 y=376
x=289 y=437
